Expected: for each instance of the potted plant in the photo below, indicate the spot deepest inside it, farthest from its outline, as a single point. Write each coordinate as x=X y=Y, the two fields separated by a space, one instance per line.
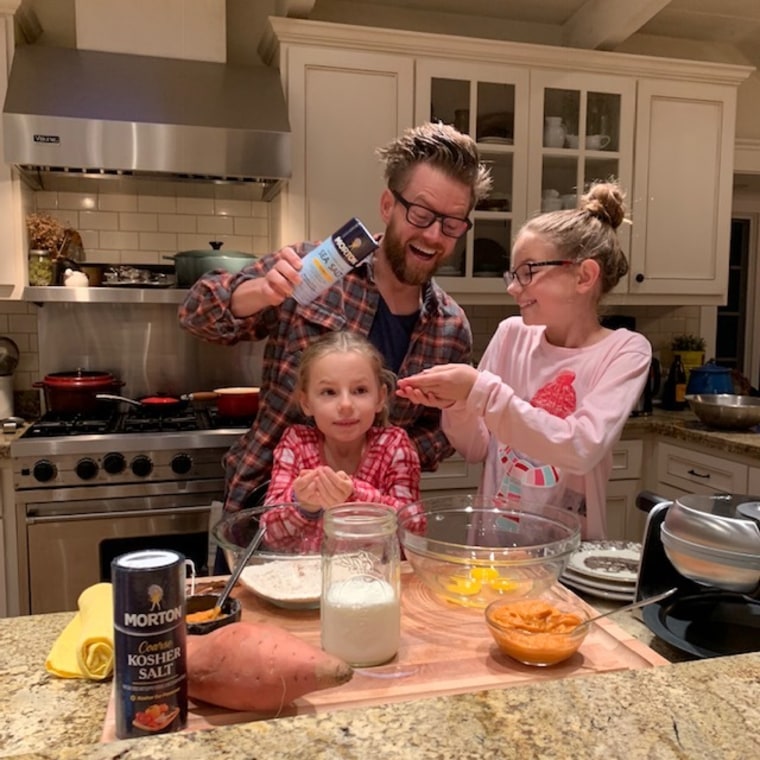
x=691 y=349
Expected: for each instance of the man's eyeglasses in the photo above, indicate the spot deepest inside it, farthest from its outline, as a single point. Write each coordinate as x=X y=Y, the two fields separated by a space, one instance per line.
x=423 y=217
x=524 y=273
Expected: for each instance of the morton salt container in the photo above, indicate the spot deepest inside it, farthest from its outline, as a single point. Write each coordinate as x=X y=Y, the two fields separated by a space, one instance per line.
x=150 y=642
x=361 y=584
x=332 y=259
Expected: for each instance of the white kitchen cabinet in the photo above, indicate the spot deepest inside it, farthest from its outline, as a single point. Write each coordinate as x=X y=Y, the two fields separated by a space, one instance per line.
x=625 y=522
x=753 y=481
x=13 y=257
x=453 y=475
x=491 y=104
x=682 y=189
x=683 y=470
x=342 y=105
x=670 y=123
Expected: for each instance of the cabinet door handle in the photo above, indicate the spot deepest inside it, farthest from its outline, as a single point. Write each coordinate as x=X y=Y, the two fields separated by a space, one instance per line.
x=640 y=277
x=696 y=474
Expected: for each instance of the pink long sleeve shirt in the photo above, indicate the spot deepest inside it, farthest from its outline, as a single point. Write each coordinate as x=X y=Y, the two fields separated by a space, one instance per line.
x=544 y=418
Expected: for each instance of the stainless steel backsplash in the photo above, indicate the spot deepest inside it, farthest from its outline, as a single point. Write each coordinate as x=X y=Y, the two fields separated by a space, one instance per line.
x=144 y=346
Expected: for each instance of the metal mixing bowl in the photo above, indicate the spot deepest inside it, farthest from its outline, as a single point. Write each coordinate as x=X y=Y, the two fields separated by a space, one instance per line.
x=727 y=411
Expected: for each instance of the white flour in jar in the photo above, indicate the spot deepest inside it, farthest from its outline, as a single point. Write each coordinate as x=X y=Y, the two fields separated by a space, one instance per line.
x=361 y=621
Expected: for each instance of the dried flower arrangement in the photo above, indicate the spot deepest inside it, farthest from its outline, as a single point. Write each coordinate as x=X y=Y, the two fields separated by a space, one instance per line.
x=687 y=343
x=45 y=232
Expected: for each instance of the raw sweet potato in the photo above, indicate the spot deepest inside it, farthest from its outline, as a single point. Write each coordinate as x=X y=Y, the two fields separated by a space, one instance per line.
x=258 y=667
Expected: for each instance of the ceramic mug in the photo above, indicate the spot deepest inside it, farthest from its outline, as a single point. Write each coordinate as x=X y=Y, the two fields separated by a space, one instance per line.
x=569 y=200
x=551 y=204
x=597 y=142
x=571 y=141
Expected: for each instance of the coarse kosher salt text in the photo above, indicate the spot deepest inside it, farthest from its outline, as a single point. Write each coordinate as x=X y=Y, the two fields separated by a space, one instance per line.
x=152 y=664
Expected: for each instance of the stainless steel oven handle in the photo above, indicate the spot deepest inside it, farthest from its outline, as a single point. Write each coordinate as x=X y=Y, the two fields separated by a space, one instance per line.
x=30 y=520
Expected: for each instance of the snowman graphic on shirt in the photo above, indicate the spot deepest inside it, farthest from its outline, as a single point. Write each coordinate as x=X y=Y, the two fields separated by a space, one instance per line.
x=527 y=482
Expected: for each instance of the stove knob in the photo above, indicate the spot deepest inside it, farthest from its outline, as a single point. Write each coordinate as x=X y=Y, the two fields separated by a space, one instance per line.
x=43 y=471
x=142 y=466
x=181 y=464
x=87 y=468
x=114 y=463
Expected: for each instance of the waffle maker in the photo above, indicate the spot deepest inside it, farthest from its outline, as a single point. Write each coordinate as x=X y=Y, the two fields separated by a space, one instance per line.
x=704 y=621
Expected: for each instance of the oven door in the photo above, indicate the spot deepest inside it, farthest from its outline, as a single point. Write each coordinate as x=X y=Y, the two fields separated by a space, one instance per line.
x=70 y=545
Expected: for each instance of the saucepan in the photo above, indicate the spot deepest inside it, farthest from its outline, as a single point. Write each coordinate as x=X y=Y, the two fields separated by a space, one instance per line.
x=237 y=402
x=156 y=404
x=231 y=402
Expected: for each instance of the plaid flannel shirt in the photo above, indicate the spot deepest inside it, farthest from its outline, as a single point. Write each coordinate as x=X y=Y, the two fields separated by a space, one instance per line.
x=388 y=474
x=441 y=335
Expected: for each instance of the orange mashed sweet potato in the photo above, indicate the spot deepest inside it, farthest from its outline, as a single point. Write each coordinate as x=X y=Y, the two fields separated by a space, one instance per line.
x=534 y=632
x=203 y=616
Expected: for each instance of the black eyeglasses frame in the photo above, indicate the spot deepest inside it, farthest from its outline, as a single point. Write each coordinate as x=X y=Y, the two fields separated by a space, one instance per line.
x=434 y=217
x=511 y=275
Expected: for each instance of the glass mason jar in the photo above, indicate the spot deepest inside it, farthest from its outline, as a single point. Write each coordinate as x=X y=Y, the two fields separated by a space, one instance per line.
x=41 y=267
x=361 y=584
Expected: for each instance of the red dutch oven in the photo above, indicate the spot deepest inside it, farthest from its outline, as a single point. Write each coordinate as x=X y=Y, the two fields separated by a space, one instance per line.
x=76 y=391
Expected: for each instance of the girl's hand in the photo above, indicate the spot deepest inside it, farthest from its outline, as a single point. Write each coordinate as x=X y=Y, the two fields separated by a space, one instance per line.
x=439 y=386
x=306 y=490
x=334 y=487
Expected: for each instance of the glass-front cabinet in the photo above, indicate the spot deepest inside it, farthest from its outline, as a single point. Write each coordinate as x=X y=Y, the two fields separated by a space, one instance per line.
x=546 y=136
x=583 y=127
x=491 y=104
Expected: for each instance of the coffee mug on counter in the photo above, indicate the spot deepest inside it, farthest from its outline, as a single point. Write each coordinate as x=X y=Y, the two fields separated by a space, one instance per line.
x=597 y=142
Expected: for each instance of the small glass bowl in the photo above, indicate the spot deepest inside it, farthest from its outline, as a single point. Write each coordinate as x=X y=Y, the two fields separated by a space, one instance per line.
x=537 y=631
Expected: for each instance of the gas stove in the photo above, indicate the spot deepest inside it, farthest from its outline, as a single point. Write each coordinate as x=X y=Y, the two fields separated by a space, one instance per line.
x=121 y=447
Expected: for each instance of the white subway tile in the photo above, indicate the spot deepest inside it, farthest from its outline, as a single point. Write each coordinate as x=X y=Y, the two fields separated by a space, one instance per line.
x=77 y=201
x=142 y=257
x=45 y=200
x=251 y=226
x=157 y=203
x=197 y=206
x=98 y=220
x=224 y=207
x=22 y=323
x=112 y=240
x=138 y=222
x=158 y=241
x=117 y=202
x=217 y=225
x=176 y=223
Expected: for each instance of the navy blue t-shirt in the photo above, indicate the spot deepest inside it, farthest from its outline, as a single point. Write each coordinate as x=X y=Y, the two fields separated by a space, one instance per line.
x=390 y=334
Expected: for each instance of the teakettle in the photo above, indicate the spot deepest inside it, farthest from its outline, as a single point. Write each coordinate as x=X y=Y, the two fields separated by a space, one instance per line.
x=710 y=378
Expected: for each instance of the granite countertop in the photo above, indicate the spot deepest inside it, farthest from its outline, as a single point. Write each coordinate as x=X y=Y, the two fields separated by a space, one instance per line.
x=684 y=426
x=688 y=709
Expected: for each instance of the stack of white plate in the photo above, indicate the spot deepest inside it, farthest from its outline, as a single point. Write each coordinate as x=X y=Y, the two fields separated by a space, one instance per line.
x=606 y=569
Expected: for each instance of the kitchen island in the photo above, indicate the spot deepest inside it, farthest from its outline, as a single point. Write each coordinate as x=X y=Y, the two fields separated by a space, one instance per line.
x=691 y=709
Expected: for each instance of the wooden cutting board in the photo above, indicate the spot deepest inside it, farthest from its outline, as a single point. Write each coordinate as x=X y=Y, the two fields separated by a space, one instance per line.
x=445 y=649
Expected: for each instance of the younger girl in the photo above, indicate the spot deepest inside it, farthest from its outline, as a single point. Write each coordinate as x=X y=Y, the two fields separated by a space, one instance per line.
x=350 y=454
x=554 y=388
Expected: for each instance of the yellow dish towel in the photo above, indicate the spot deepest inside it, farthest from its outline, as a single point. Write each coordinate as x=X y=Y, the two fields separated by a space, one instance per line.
x=85 y=647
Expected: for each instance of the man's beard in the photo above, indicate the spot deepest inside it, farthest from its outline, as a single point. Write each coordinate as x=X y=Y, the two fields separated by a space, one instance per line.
x=396 y=257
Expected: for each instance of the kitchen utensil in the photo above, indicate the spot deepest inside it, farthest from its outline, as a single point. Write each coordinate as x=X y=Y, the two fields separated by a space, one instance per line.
x=537 y=632
x=76 y=391
x=9 y=356
x=242 y=562
x=159 y=404
x=726 y=411
x=709 y=378
x=190 y=265
x=702 y=620
x=237 y=402
x=632 y=606
x=234 y=533
x=231 y=612
x=470 y=550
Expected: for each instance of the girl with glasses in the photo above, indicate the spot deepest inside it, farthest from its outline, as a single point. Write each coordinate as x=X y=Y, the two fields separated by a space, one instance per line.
x=554 y=388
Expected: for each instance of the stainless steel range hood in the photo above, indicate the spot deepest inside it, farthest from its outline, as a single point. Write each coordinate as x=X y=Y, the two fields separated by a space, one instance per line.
x=74 y=113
